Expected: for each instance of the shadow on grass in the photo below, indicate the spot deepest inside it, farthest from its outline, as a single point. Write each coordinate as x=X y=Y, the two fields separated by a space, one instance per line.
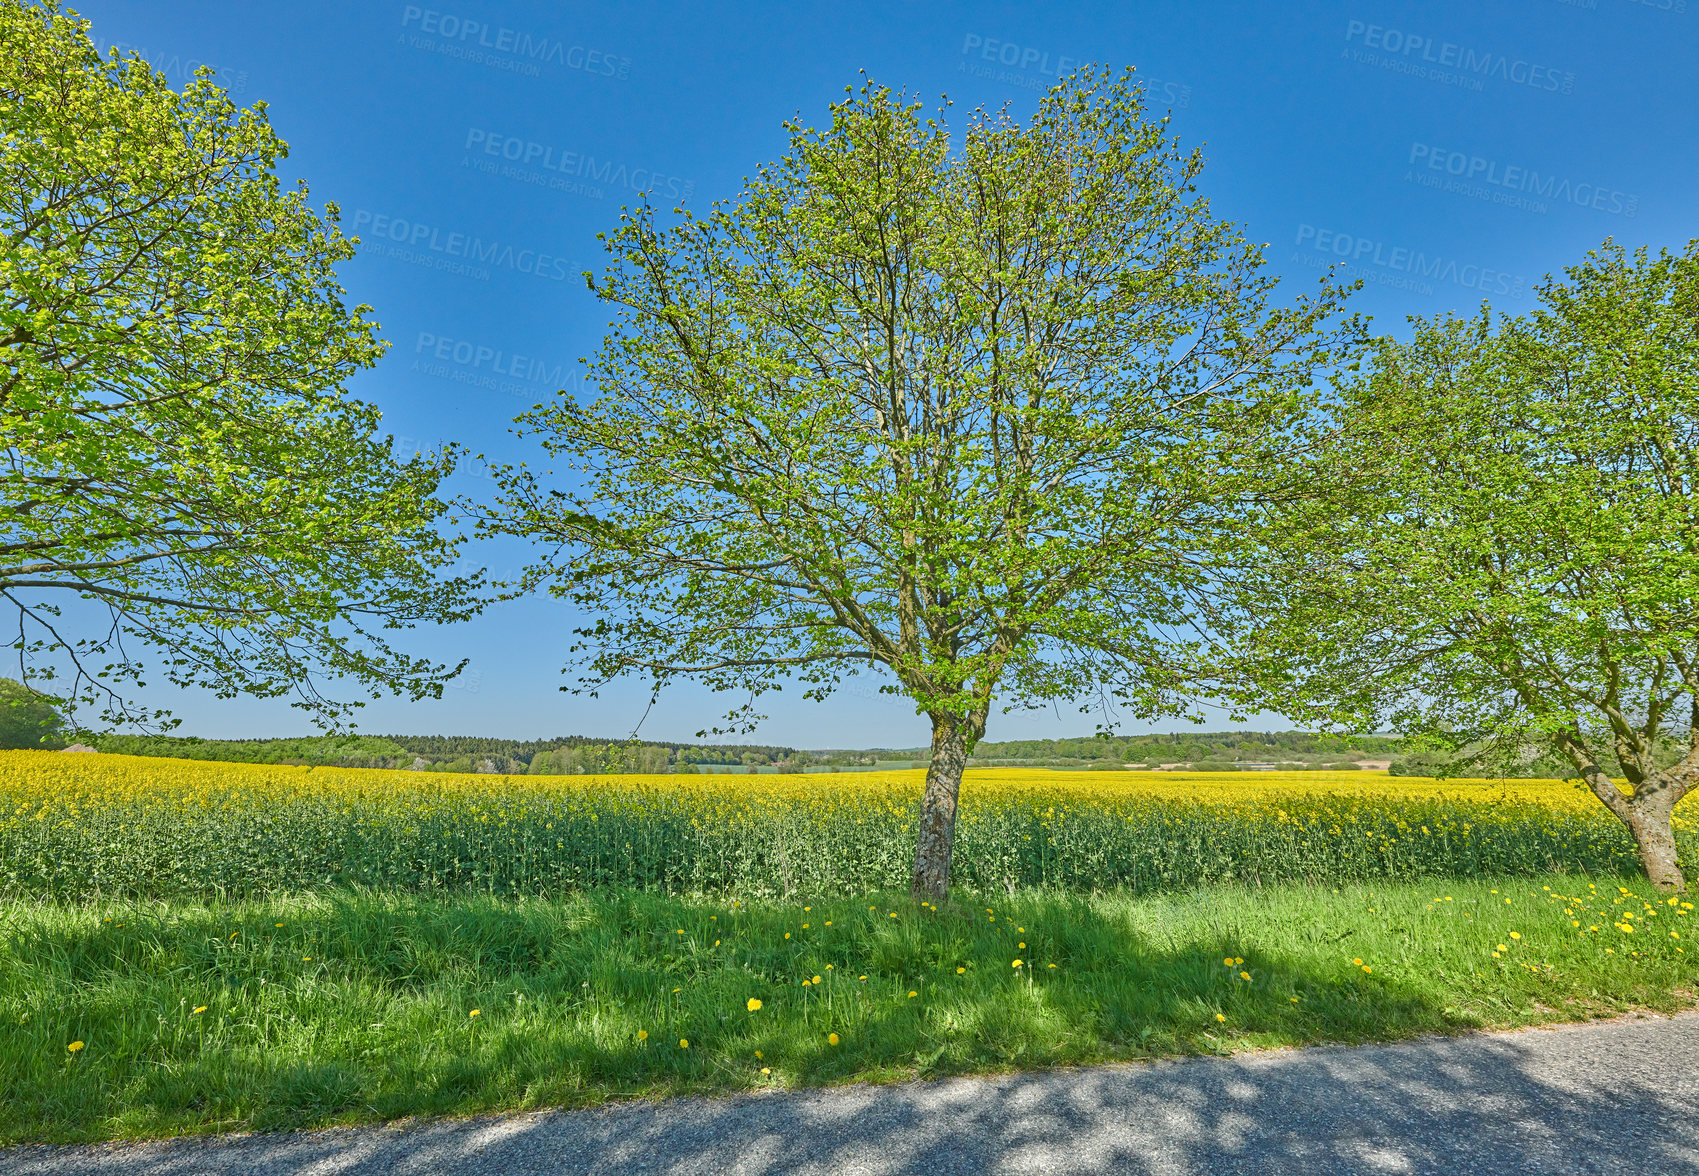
x=346 y=1007
x=1562 y=1102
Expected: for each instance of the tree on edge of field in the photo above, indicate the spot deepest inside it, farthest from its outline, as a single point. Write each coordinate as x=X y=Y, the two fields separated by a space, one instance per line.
x=178 y=449
x=27 y=718
x=976 y=418
x=1506 y=551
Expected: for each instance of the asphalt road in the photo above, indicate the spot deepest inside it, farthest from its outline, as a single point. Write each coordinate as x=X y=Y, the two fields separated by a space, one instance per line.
x=1608 y=1097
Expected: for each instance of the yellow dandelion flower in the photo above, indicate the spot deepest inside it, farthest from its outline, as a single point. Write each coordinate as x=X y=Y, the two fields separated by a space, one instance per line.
x=474 y=1012
x=766 y=1070
x=758 y=1055
x=642 y=1035
x=787 y=934
x=1020 y=945
x=1366 y=968
x=1359 y=963
x=684 y=1043
x=74 y=1046
x=1502 y=947
x=959 y=971
x=831 y=1039
x=1220 y=1016
x=913 y=993
x=1244 y=975
x=198 y=1011
x=753 y=1004
x=1015 y=964
x=1516 y=935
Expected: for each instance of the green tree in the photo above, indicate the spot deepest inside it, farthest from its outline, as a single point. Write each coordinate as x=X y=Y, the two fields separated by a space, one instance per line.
x=972 y=416
x=179 y=448
x=1506 y=556
x=27 y=719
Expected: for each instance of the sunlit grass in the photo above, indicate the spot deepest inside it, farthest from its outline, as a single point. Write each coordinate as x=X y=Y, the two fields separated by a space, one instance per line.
x=350 y=1006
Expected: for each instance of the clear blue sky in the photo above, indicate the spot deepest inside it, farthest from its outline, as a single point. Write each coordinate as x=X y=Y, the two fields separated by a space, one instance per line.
x=1502 y=138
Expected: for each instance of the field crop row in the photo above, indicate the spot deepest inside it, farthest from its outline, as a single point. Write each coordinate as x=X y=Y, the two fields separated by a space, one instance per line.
x=80 y=826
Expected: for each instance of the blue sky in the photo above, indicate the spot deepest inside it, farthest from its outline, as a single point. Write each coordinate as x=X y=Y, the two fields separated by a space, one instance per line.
x=1498 y=141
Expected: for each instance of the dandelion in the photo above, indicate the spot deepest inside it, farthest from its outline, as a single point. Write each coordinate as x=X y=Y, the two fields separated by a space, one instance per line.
x=74 y=1046
x=959 y=971
x=913 y=993
x=831 y=1039
x=474 y=1013
x=684 y=1043
x=816 y=980
x=1015 y=964
x=1502 y=947
x=1359 y=963
x=1021 y=945
x=642 y=1035
x=1366 y=968
x=787 y=934
x=1220 y=1016
x=766 y=1070
x=1244 y=975
x=198 y=1011
x=1516 y=935
x=753 y=1004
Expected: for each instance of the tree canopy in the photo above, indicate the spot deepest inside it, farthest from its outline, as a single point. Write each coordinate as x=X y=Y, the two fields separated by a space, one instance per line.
x=974 y=413
x=1502 y=551
x=178 y=447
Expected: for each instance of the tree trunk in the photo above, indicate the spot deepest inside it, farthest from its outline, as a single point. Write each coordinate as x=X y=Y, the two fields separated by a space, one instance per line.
x=1654 y=839
x=937 y=836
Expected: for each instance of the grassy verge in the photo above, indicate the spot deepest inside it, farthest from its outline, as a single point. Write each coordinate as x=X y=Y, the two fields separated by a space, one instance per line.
x=346 y=1006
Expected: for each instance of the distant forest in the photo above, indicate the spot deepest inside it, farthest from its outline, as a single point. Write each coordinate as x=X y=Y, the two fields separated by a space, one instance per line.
x=579 y=754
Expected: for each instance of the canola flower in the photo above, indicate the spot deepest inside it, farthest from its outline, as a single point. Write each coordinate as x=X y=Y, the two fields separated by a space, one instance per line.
x=74 y=826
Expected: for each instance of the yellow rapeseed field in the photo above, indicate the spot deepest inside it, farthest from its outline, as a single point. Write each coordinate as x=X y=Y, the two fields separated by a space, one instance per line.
x=76 y=825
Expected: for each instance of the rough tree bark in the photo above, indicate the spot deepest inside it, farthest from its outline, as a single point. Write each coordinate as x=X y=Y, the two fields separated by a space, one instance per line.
x=937 y=837
x=1647 y=811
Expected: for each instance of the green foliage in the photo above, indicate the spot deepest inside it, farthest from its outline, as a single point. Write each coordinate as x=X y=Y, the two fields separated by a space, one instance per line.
x=27 y=719
x=173 y=341
x=348 y=750
x=969 y=411
x=1496 y=548
x=330 y=1008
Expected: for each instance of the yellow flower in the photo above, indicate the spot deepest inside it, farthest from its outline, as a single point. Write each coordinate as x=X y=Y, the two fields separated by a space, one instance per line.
x=474 y=1012
x=198 y=1011
x=753 y=1004
x=831 y=1039
x=757 y=1055
x=1516 y=935
x=959 y=971
x=1366 y=968
x=74 y=1046
x=684 y=1043
x=1020 y=945
x=766 y=1070
x=1220 y=1017
x=1228 y=961
x=1051 y=965
x=1359 y=963
x=816 y=980
x=1015 y=964
x=787 y=934
x=1244 y=975
x=805 y=926
x=913 y=993
x=642 y=1035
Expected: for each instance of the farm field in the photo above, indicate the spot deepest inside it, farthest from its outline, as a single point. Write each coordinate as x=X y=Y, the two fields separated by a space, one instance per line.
x=192 y=946
x=79 y=826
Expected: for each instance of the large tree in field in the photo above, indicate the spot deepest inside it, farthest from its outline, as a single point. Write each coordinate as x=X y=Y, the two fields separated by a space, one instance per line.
x=975 y=414
x=1501 y=549
x=177 y=447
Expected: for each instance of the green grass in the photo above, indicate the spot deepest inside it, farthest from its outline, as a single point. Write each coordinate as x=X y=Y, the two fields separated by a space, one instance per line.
x=354 y=1006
